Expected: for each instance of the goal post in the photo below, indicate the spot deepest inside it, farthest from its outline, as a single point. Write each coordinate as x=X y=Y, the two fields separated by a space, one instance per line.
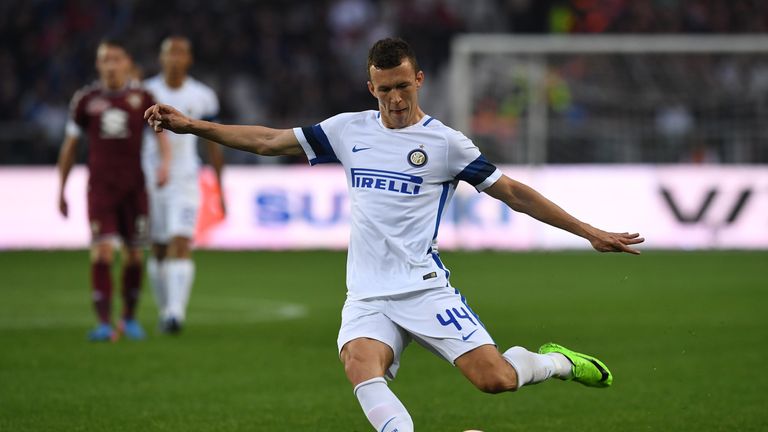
x=612 y=98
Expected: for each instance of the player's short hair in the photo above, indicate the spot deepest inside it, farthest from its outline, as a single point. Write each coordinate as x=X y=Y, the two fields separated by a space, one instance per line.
x=389 y=53
x=115 y=42
x=176 y=36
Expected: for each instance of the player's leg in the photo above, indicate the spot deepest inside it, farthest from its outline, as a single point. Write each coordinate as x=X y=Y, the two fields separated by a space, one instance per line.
x=180 y=274
x=102 y=216
x=158 y=232
x=441 y=320
x=490 y=371
x=365 y=363
x=131 y=289
x=102 y=255
x=133 y=230
x=585 y=369
x=183 y=202
x=486 y=368
x=156 y=275
x=365 y=358
x=132 y=262
x=493 y=372
x=370 y=346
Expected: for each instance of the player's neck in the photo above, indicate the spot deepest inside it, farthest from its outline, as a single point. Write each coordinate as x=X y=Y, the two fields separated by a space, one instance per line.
x=174 y=81
x=113 y=86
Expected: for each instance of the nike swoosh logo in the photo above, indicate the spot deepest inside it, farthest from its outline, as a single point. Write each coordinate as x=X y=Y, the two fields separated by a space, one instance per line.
x=355 y=149
x=468 y=336
x=603 y=372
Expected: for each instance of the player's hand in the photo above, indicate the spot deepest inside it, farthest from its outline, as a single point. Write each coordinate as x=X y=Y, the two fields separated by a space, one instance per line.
x=604 y=241
x=63 y=207
x=162 y=117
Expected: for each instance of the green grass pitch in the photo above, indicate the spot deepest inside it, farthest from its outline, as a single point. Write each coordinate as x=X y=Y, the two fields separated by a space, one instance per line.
x=685 y=334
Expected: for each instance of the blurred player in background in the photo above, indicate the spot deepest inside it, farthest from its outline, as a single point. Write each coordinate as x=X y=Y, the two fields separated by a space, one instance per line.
x=402 y=168
x=109 y=113
x=173 y=209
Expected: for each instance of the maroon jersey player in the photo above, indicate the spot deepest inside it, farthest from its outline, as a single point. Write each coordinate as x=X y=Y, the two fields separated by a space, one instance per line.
x=109 y=113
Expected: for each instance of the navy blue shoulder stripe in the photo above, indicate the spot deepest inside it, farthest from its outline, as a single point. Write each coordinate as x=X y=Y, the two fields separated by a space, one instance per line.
x=320 y=144
x=428 y=120
x=477 y=171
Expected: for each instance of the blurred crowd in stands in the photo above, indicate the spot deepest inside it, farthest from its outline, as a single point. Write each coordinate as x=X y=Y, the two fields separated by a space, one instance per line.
x=288 y=62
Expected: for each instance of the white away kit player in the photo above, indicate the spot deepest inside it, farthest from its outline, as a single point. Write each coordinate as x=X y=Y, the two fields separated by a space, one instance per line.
x=402 y=167
x=174 y=209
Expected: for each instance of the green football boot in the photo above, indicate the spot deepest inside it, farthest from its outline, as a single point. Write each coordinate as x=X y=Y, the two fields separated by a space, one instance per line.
x=586 y=369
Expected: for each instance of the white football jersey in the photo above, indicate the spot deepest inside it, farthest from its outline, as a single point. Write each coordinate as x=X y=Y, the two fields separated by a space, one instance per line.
x=400 y=182
x=195 y=100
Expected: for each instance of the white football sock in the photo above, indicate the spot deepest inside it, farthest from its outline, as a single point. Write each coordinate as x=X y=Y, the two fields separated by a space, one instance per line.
x=383 y=409
x=180 y=273
x=533 y=368
x=156 y=275
x=564 y=367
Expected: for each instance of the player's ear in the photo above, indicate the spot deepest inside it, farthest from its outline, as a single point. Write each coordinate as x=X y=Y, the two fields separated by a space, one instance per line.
x=419 y=79
x=370 y=89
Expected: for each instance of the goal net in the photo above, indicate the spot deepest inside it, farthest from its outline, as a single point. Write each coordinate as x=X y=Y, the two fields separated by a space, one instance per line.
x=613 y=99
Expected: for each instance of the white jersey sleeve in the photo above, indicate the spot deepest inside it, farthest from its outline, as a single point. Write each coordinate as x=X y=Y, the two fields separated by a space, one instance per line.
x=72 y=129
x=465 y=162
x=322 y=142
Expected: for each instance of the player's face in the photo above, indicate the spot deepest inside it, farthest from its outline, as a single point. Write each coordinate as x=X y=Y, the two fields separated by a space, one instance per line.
x=175 y=56
x=396 y=89
x=113 y=65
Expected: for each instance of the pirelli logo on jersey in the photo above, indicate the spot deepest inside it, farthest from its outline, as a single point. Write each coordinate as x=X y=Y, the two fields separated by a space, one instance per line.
x=386 y=180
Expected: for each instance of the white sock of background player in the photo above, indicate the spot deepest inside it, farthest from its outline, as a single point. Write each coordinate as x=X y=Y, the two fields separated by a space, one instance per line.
x=180 y=273
x=156 y=275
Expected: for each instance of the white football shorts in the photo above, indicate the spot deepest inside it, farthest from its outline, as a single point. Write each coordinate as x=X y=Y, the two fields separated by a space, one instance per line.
x=439 y=319
x=173 y=209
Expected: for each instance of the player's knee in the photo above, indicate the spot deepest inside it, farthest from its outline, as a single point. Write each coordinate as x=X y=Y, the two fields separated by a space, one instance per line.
x=159 y=251
x=495 y=381
x=362 y=363
x=359 y=367
x=180 y=247
x=134 y=257
x=487 y=370
x=102 y=252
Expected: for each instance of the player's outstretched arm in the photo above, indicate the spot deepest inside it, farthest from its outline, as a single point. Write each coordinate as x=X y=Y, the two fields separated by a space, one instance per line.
x=524 y=199
x=255 y=139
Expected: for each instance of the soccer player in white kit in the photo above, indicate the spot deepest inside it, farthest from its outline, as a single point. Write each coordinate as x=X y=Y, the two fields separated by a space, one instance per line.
x=402 y=167
x=173 y=209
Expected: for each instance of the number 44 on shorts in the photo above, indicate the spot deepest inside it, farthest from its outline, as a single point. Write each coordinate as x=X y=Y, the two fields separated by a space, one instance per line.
x=452 y=315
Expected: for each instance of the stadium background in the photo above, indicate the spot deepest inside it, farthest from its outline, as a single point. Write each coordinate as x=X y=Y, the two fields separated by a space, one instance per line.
x=683 y=331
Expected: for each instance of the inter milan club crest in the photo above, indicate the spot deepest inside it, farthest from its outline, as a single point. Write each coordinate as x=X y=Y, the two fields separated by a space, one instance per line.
x=134 y=100
x=417 y=158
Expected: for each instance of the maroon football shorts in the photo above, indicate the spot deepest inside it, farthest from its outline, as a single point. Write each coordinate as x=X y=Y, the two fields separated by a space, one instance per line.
x=114 y=212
